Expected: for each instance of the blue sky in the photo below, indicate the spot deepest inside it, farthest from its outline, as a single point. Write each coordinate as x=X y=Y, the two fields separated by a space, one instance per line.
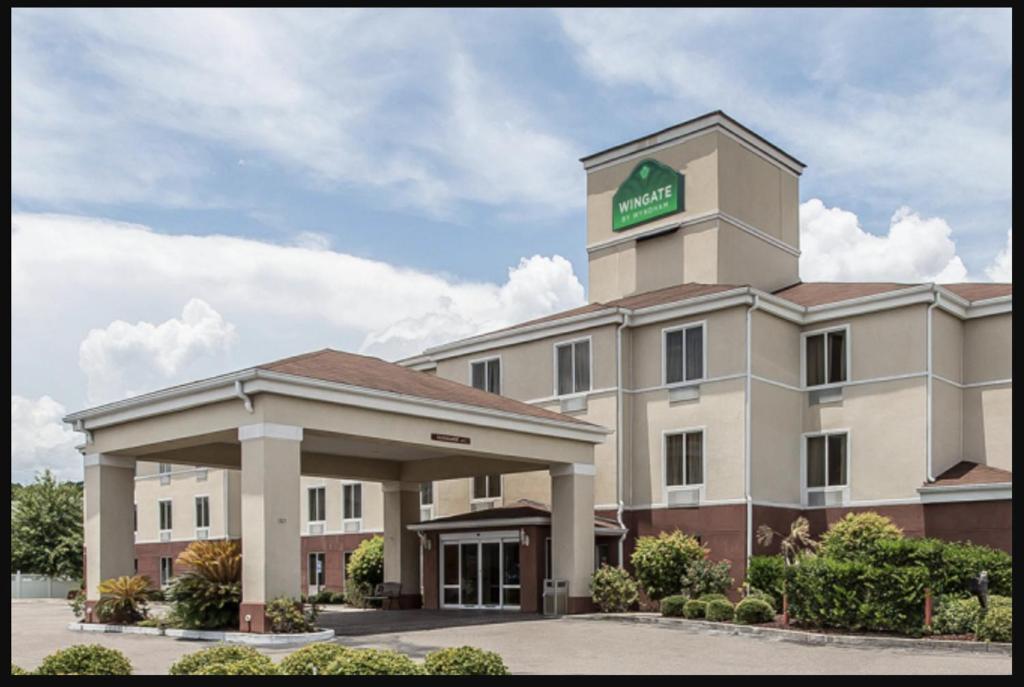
x=199 y=190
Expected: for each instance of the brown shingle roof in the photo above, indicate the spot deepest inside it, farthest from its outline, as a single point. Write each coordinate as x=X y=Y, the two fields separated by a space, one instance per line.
x=965 y=473
x=374 y=373
x=810 y=294
x=980 y=292
x=509 y=512
x=671 y=294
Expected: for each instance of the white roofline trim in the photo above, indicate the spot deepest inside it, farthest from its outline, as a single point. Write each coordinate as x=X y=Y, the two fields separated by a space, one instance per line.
x=966 y=492
x=433 y=526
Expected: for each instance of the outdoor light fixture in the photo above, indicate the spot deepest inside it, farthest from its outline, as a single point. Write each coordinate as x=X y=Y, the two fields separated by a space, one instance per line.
x=524 y=538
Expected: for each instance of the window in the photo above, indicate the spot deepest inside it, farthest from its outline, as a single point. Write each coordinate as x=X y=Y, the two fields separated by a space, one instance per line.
x=684 y=354
x=166 y=570
x=602 y=555
x=352 y=497
x=165 y=515
x=826 y=461
x=572 y=367
x=345 y=558
x=202 y=511
x=163 y=468
x=135 y=517
x=487 y=487
x=684 y=459
x=426 y=493
x=317 y=504
x=135 y=565
x=486 y=375
x=825 y=357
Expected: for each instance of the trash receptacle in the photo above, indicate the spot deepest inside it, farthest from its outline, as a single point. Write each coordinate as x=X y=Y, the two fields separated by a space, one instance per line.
x=556 y=597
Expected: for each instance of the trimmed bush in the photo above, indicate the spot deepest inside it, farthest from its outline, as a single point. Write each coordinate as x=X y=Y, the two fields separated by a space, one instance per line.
x=15 y=670
x=856 y=535
x=337 y=598
x=365 y=570
x=751 y=611
x=613 y=590
x=762 y=596
x=288 y=616
x=956 y=616
x=312 y=659
x=85 y=659
x=951 y=565
x=719 y=610
x=191 y=664
x=706 y=577
x=243 y=667
x=464 y=660
x=672 y=606
x=767 y=574
x=714 y=597
x=208 y=593
x=996 y=625
x=373 y=662
x=660 y=562
x=695 y=608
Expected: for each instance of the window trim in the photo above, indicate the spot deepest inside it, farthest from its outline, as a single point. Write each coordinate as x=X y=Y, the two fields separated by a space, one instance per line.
x=344 y=501
x=847 y=343
x=704 y=353
x=501 y=371
x=845 y=489
x=159 y=515
x=195 y=514
x=589 y=338
x=309 y=489
x=666 y=487
x=165 y=583
x=485 y=499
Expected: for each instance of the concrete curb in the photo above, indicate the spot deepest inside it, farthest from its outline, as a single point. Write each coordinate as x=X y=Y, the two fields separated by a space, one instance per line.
x=804 y=637
x=248 y=638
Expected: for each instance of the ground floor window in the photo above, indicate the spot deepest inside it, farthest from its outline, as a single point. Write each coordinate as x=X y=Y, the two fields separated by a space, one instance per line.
x=602 y=554
x=826 y=468
x=480 y=574
x=315 y=572
x=166 y=570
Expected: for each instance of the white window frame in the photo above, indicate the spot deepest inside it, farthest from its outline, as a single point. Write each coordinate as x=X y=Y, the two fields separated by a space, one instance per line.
x=699 y=488
x=428 y=506
x=310 y=522
x=704 y=353
x=164 y=582
x=486 y=499
x=159 y=516
x=847 y=343
x=501 y=372
x=590 y=364
x=195 y=514
x=358 y=521
x=165 y=475
x=804 y=489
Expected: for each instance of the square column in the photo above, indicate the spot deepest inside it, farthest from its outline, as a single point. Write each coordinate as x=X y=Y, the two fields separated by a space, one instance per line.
x=572 y=531
x=401 y=545
x=109 y=533
x=271 y=516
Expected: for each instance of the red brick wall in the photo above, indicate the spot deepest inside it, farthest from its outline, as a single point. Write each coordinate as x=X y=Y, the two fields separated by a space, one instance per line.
x=333 y=546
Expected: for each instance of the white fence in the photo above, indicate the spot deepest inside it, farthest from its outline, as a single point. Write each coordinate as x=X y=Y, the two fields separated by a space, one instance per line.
x=25 y=586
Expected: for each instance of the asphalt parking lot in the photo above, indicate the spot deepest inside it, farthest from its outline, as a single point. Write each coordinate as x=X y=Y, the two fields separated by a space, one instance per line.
x=532 y=645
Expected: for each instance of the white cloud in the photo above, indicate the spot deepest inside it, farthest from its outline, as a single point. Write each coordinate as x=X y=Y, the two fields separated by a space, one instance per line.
x=834 y=247
x=39 y=440
x=125 y=359
x=1001 y=269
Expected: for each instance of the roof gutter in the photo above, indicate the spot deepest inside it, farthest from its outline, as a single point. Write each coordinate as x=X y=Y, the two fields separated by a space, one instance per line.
x=931 y=374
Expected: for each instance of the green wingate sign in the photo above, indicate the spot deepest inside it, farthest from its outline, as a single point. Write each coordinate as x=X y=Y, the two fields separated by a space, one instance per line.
x=651 y=190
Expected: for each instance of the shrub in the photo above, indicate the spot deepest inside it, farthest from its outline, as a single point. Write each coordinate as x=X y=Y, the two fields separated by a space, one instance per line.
x=660 y=562
x=713 y=597
x=248 y=666
x=168 y=619
x=672 y=606
x=952 y=566
x=76 y=600
x=191 y=664
x=719 y=610
x=355 y=593
x=123 y=599
x=15 y=670
x=373 y=662
x=750 y=611
x=856 y=535
x=464 y=660
x=337 y=598
x=613 y=589
x=996 y=625
x=85 y=659
x=312 y=659
x=157 y=595
x=289 y=616
x=767 y=574
x=208 y=593
x=366 y=566
x=762 y=596
x=695 y=608
x=956 y=616
x=705 y=577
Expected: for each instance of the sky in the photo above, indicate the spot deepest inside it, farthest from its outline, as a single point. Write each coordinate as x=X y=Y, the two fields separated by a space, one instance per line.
x=196 y=191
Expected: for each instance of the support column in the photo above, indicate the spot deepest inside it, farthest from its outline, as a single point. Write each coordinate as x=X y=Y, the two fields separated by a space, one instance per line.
x=271 y=516
x=401 y=545
x=109 y=534
x=572 y=531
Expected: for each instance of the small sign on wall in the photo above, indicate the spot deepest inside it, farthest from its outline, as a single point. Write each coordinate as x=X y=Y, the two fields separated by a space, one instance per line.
x=449 y=438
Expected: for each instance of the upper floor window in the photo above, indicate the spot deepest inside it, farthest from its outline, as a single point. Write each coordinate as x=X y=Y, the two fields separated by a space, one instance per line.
x=202 y=511
x=163 y=468
x=486 y=375
x=426 y=493
x=825 y=357
x=684 y=459
x=572 y=367
x=826 y=461
x=317 y=504
x=487 y=487
x=165 y=515
x=352 y=501
x=684 y=354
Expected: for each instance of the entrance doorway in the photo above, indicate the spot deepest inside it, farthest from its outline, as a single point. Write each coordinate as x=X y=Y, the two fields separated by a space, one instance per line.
x=315 y=573
x=480 y=571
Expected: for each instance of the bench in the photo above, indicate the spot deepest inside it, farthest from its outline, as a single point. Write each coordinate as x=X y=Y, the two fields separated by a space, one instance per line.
x=387 y=593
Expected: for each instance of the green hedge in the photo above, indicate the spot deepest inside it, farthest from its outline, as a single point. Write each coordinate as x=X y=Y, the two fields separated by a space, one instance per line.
x=15 y=670
x=695 y=608
x=672 y=606
x=85 y=659
x=752 y=611
x=767 y=574
x=959 y=616
x=243 y=667
x=719 y=610
x=191 y=664
x=996 y=625
x=951 y=565
x=373 y=662
x=464 y=660
x=312 y=659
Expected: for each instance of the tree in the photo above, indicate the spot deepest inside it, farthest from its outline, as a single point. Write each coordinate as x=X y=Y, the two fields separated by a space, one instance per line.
x=46 y=528
x=799 y=539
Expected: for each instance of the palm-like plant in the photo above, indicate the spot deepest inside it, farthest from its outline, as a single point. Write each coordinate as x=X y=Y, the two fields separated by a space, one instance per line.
x=799 y=539
x=124 y=599
x=209 y=592
x=215 y=561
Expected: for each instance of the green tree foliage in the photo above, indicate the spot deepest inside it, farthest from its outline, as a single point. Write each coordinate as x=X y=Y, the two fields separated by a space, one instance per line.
x=46 y=528
x=365 y=570
x=661 y=562
x=857 y=534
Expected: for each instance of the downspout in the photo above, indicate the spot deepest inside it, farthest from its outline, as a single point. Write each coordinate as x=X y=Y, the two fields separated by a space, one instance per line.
x=618 y=436
x=928 y=412
x=242 y=395
x=748 y=497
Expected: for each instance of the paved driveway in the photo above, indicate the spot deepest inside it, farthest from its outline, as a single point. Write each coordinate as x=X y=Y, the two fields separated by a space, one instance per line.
x=528 y=644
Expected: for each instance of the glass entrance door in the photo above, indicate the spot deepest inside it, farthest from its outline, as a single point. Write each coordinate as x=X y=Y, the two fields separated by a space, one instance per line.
x=315 y=572
x=480 y=574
